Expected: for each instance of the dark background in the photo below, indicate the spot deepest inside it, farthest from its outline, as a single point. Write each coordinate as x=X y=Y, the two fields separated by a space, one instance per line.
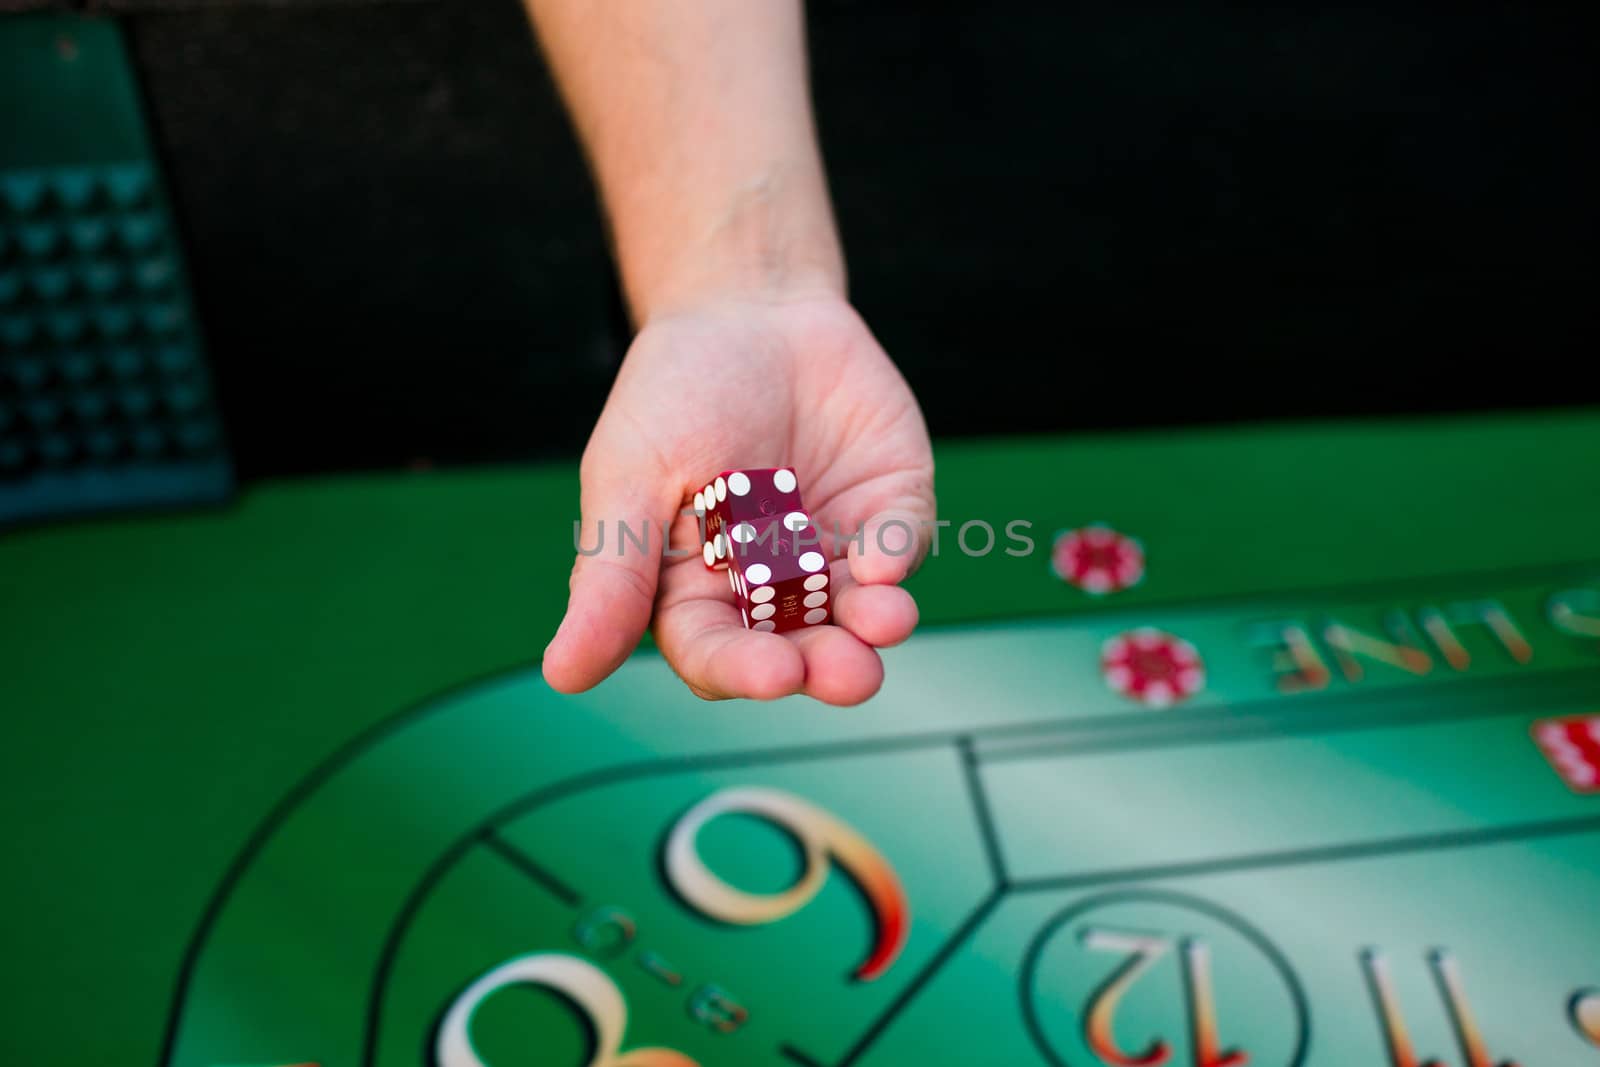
x=1058 y=216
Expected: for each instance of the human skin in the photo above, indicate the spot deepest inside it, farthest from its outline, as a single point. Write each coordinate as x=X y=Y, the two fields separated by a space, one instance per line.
x=697 y=122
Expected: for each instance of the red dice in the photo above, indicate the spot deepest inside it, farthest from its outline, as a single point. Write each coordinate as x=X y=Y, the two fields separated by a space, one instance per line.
x=757 y=528
x=747 y=495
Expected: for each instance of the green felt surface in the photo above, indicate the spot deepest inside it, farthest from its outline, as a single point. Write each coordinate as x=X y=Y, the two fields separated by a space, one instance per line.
x=166 y=680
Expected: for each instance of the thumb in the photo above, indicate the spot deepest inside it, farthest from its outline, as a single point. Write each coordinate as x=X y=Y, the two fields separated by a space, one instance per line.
x=613 y=586
x=894 y=540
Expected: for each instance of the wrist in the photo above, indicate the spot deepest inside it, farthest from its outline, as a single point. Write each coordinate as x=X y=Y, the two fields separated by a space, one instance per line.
x=771 y=239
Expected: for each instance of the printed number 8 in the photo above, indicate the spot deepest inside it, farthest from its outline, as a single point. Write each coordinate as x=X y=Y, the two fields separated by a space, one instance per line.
x=585 y=985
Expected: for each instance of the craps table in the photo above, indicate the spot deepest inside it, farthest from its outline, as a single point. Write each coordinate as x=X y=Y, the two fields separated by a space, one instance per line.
x=1353 y=844
x=1278 y=748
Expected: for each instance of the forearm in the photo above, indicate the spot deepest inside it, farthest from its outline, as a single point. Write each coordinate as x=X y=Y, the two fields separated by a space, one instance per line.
x=697 y=120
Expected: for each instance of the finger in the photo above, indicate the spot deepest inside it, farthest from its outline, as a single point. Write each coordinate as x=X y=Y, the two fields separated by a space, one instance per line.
x=893 y=542
x=705 y=642
x=880 y=615
x=612 y=591
x=840 y=669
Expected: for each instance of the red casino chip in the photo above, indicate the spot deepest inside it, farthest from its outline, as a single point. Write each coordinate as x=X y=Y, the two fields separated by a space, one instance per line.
x=1098 y=559
x=1572 y=745
x=1152 y=667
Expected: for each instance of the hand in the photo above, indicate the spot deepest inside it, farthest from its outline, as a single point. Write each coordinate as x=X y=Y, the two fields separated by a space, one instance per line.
x=749 y=382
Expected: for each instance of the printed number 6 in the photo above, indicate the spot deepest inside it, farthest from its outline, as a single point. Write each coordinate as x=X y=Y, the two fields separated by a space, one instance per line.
x=580 y=982
x=821 y=837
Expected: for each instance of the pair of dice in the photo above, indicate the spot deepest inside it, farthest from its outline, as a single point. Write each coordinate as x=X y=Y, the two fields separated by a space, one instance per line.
x=757 y=530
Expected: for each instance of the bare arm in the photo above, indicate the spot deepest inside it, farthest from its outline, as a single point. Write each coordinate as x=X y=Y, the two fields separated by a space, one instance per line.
x=697 y=120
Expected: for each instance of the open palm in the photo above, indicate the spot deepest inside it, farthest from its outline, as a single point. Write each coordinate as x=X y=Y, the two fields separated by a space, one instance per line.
x=749 y=384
